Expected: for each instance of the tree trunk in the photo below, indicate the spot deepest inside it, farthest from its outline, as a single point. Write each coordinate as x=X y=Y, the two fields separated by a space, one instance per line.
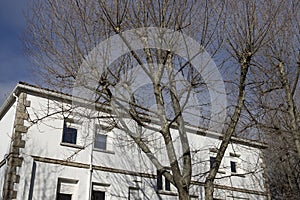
x=209 y=190
x=291 y=106
x=209 y=187
x=183 y=193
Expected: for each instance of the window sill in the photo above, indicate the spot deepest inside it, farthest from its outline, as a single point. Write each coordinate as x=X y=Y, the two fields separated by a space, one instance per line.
x=71 y=145
x=166 y=192
x=221 y=172
x=104 y=151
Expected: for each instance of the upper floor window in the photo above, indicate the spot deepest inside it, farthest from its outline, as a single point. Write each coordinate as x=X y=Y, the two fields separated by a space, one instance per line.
x=211 y=161
x=70 y=131
x=162 y=182
x=233 y=166
x=100 y=141
x=101 y=137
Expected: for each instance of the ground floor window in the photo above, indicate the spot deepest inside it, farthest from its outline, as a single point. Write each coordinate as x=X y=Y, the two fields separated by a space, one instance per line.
x=63 y=196
x=98 y=195
x=66 y=188
x=134 y=194
x=100 y=191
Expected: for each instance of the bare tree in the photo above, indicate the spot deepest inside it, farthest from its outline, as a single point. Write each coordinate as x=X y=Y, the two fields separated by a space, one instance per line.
x=247 y=36
x=278 y=102
x=62 y=35
x=284 y=57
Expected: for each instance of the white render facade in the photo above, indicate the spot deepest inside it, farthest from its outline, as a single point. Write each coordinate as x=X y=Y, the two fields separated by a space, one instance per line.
x=63 y=156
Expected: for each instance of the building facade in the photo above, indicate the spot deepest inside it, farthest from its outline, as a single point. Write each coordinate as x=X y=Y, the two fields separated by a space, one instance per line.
x=48 y=152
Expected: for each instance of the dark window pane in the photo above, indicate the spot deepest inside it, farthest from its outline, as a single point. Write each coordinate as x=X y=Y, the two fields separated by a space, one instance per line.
x=233 y=166
x=100 y=141
x=63 y=196
x=69 y=134
x=159 y=181
x=167 y=185
x=98 y=195
x=212 y=160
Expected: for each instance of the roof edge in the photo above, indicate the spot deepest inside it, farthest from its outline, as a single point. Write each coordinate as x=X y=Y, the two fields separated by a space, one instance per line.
x=44 y=92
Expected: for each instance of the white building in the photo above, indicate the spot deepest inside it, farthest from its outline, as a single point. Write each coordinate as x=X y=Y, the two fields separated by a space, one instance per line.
x=56 y=157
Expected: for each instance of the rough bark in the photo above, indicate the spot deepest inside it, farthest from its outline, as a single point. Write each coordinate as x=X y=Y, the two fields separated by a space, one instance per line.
x=209 y=187
x=292 y=112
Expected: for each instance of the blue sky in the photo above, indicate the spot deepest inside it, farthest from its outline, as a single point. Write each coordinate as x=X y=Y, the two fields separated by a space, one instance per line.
x=14 y=66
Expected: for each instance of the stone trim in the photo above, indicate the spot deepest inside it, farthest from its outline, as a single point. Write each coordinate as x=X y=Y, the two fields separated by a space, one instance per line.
x=133 y=173
x=95 y=167
x=230 y=188
x=14 y=160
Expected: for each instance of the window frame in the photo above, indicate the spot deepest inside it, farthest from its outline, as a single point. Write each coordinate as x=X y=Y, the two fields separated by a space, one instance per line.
x=62 y=183
x=100 y=187
x=104 y=143
x=136 y=189
x=103 y=130
x=72 y=124
x=69 y=135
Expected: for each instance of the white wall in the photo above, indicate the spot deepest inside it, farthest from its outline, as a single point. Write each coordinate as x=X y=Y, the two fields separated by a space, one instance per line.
x=6 y=130
x=44 y=139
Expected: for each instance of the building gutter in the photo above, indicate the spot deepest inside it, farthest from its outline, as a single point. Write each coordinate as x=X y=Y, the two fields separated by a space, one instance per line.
x=91 y=174
x=90 y=178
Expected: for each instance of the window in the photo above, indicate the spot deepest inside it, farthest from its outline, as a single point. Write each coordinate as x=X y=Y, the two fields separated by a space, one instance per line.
x=64 y=196
x=233 y=166
x=98 y=195
x=159 y=181
x=65 y=189
x=211 y=161
x=134 y=194
x=100 y=191
x=167 y=185
x=101 y=137
x=69 y=132
x=160 y=186
x=100 y=141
